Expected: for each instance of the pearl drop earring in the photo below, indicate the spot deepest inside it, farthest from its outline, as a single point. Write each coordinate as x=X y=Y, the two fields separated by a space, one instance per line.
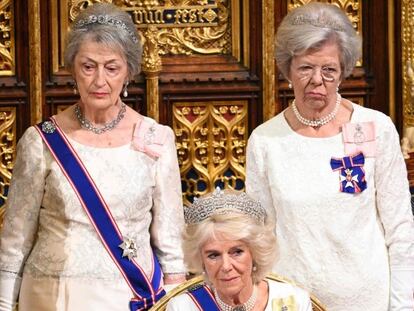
x=75 y=88
x=125 y=93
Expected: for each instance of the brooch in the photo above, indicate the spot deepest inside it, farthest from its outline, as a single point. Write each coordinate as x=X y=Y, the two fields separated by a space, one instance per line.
x=359 y=137
x=48 y=127
x=149 y=138
x=352 y=175
x=129 y=248
x=284 y=304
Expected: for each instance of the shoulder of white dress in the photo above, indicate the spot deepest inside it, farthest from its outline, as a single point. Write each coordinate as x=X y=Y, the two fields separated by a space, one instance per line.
x=270 y=126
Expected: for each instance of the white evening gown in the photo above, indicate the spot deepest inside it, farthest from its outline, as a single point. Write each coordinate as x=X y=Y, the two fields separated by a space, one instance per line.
x=48 y=239
x=339 y=246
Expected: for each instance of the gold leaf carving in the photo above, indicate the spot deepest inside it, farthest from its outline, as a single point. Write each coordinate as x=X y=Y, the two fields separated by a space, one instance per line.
x=76 y=6
x=7 y=151
x=407 y=35
x=151 y=58
x=7 y=40
x=201 y=40
x=211 y=141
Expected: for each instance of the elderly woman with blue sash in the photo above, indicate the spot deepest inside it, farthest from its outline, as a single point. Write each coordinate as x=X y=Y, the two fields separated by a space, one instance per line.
x=227 y=240
x=94 y=212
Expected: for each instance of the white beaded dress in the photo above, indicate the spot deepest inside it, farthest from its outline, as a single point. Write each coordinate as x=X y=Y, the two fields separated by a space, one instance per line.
x=339 y=246
x=49 y=244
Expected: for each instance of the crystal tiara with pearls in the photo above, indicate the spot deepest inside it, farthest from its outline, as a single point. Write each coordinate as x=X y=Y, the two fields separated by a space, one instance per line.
x=105 y=20
x=321 y=22
x=223 y=202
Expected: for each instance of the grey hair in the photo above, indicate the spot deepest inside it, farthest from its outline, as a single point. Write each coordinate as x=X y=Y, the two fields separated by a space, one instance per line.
x=122 y=39
x=310 y=26
x=259 y=238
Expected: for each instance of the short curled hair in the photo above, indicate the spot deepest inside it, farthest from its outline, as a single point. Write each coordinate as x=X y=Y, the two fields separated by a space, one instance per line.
x=124 y=40
x=259 y=238
x=309 y=27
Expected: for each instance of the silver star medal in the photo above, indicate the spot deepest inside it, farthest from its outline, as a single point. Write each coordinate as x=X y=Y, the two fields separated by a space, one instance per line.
x=349 y=178
x=129 y=248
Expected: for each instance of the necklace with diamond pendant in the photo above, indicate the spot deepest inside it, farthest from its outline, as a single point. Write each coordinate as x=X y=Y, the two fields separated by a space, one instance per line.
x=88 y=125
x=317 y=122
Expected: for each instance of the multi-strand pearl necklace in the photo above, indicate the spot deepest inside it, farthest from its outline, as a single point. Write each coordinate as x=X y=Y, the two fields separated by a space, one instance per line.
x=318 y=122
x=247 y=306
x=86 y=124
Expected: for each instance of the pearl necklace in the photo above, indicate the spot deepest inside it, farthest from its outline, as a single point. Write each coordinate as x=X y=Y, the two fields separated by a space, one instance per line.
x=318 y=122
x=86 y=124
x=247 y=306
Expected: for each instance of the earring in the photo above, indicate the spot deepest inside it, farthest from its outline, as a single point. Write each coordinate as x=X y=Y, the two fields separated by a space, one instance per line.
x=125 y=93
x=290 y=85
x=254 y=268
x=75 y=88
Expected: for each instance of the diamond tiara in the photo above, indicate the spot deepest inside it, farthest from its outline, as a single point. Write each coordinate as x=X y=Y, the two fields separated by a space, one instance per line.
x=321 y=21
x=105 y=20
x=223 y=202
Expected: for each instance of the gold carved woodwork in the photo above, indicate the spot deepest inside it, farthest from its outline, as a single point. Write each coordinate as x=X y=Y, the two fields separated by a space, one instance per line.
x=7 y=152
x=407 y=36
x=270 y=108
x=7 y=38
x=151 y=66
x=211 y=140
x=35 y=63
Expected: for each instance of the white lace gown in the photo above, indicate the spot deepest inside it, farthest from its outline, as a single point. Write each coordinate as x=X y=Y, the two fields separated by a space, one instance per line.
x=339 y=246
x=277 y=291
x=49 y=244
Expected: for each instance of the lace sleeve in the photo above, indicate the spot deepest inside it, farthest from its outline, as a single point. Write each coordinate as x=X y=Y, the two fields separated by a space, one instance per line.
x=168 y=217
x=257 y=185
x=22 y=211
x=393 y=203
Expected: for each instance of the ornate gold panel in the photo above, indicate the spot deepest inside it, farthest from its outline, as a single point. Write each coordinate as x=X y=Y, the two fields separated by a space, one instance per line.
x=7 y=152
x=7 y=39
x=407 y=34
x=211 y=140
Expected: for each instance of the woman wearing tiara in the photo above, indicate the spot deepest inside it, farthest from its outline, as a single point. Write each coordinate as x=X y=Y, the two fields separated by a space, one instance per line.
x=94 y=189
x=331 y=174
x=227 y=240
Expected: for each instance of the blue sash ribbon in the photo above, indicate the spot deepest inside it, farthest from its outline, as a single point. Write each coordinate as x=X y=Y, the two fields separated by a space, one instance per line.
x=352 y=174
x=146 y=292
x=203 y=298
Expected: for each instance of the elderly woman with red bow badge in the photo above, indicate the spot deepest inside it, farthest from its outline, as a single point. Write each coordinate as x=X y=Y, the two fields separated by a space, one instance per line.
x=332 y=175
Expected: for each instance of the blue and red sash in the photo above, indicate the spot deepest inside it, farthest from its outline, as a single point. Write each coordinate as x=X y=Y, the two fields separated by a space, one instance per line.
x=203 y=298
x=146 y=291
